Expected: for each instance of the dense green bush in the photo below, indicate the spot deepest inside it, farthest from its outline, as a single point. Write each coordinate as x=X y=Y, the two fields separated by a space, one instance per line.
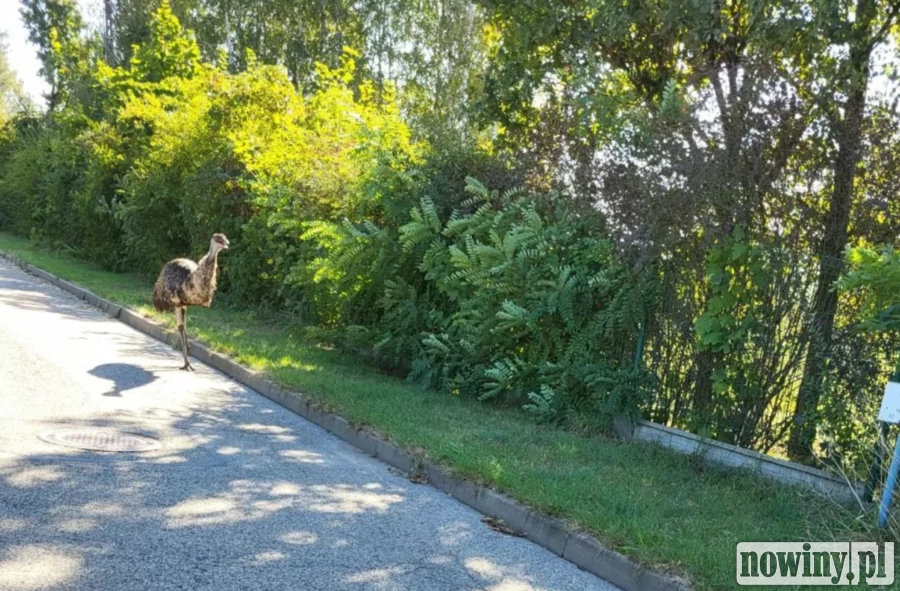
x=538 y=306
x=99 y=198
x=39 y=179
x=179 y=150
x=874 y=277
x=509 y=297
x=336 y=213
x=359 y=255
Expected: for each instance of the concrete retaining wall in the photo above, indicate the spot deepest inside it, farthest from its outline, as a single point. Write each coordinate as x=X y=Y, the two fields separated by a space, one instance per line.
x=839 y=490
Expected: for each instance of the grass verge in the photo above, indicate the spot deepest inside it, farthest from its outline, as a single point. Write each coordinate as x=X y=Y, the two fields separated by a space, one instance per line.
x=668 y=511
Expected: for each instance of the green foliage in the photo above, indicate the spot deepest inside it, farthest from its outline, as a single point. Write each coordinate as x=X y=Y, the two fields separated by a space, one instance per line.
x=534 y=306
x=12 y=96
x=865 y=353
x=507 y=298
x=754 y=326
x=433 y=50
x=360 y=262
x=874 y=275
x=55 y=27
x=38 y=181
x=165 y=151
x=734 y=270
x=168 y=51
x=344 y=281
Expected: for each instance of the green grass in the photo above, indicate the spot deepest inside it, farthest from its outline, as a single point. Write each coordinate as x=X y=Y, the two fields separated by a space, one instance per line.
x=666 y=510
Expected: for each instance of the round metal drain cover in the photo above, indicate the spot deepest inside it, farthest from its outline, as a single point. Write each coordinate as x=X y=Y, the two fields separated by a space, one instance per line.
x=100 y=440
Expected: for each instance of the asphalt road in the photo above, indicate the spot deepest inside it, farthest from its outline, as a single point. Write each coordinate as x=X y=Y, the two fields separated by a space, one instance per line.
x=241 y=495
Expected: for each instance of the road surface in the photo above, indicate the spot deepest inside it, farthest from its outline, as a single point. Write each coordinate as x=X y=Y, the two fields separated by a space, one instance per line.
x=241 y=495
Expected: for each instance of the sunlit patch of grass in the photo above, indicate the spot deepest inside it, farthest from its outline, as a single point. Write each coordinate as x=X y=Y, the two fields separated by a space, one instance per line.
x=645 y=501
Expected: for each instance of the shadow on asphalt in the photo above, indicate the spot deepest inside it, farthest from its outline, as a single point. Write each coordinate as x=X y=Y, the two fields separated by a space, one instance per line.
x=270 y=506
x=91 y=522
x=124 y=376
x=37 y=296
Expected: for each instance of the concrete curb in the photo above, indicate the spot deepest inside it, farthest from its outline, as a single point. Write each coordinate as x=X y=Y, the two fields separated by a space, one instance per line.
x=556 y=536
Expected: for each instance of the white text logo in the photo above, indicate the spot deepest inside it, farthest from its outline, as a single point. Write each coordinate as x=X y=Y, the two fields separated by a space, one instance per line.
x=815 y=563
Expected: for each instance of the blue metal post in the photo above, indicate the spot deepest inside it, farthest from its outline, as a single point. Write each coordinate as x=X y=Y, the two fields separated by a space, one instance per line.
x=876 y=471
x=887 y=493
x=884 y=508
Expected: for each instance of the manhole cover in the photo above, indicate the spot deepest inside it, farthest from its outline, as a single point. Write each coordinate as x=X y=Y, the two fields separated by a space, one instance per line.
x=100 y=440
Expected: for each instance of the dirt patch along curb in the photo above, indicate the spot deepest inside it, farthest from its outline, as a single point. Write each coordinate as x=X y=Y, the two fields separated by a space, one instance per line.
x=556 y=536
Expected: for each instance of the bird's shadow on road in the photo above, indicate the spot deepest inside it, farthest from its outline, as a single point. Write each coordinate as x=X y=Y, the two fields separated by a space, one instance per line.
x=124 y=376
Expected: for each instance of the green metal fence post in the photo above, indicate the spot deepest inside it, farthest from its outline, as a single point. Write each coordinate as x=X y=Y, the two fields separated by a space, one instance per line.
x=639 y=351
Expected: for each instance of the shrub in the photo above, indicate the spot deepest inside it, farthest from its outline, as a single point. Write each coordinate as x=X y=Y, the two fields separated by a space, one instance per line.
x=510 y=298
x=39 y=179
x=539 y=308
x=150 y=158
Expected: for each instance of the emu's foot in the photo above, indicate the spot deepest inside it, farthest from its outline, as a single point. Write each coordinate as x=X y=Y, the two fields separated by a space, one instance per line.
x=187 y=367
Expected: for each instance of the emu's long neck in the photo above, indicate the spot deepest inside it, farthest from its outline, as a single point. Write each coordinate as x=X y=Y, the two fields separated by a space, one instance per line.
x=207 y=268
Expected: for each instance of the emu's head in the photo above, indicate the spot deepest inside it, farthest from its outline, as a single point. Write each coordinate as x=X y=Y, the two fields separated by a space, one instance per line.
x=218 y=242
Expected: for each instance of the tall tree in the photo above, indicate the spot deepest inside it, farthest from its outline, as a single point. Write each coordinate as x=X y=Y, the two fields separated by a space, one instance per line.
x=295 y=34
x=716 y=77
x=859 y=27
x=55 y=26
x=169 y=50
x=434 y=52
x=776 y=94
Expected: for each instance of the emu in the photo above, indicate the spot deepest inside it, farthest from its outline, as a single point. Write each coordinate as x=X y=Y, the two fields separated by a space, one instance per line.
x=184 y=283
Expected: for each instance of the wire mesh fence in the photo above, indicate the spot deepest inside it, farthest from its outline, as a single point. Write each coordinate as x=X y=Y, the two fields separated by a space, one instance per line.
x=733 y=344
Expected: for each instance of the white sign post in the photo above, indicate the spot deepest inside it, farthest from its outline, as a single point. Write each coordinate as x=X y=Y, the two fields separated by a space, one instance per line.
x=890 y=404
x=890 y=413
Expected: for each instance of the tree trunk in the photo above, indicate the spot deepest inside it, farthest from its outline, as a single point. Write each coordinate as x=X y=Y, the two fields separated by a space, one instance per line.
x=834 y=240
x=109 y=31
x=705 y=362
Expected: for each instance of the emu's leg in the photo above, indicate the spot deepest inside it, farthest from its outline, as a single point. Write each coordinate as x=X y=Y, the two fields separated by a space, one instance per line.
x=181 y=319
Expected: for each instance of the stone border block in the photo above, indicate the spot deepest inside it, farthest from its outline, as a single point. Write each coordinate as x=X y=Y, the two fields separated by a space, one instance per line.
x=48 y=277
x=394 y=456
x=545 y=531
x=499 y=506
x=462 y=490
x=71 y=288
x=93 y=299
x=725 y=454
x=366 y=441
x=135 y=320
x=592 y=556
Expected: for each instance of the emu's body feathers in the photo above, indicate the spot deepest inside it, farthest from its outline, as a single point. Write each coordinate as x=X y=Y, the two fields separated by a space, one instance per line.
x=183 y=282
